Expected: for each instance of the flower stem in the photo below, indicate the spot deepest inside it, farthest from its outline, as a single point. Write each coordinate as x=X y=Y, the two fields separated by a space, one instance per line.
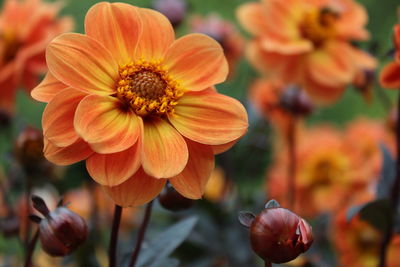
x=31 y=248
x=291 y=139
x=112 y=252
x=394 y=196
x=28 y=210
x=141 y=234
x=267 y=264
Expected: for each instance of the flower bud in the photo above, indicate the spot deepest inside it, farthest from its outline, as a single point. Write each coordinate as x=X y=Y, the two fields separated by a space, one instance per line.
x=391 y=120
x=61 y=230
x=174 y=10
x=277 y=235
x=296 y=101
x=29 y=148
x=170 y=199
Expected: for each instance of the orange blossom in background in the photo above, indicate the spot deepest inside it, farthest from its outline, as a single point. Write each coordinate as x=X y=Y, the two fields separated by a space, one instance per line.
x=390 y=75
x=26 y=28
x=308 y=42
x=137 y=105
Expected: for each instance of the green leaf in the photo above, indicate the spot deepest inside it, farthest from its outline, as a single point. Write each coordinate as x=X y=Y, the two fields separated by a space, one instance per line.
x=388 y=174
x=165 y=243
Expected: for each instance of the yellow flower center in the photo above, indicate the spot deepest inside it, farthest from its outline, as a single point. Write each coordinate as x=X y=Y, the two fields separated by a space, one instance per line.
x=148 y=88
x=319 y=25
x=324 y=169
x=9 y=46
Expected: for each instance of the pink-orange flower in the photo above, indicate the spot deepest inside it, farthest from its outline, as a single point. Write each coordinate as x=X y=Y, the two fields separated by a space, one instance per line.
x=390 y=75
x=307 y=42
x=137 y=104
x=26 y=28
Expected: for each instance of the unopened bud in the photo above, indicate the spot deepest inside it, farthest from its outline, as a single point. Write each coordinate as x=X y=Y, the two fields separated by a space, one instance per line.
x=29 y=147
x=170 y=199
x=61 y=230
x=296 y=101
x=174 y=10
x=277 y=235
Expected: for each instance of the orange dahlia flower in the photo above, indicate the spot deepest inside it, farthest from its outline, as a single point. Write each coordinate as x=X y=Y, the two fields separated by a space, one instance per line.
x=390 y=75
x=138 y=105
x=307 y=42
x=357 y=243
x=26 y=28
x=324 y=175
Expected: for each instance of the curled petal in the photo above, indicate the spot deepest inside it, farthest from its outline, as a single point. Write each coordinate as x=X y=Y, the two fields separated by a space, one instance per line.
x=117 y=26
x=82 y=63
x=76 y=152
x=58 y=117
x=105 y=125
x=191 y=182
x=390 y=76
x=136 y=191
x=198 y=61
x=332 y=66
x=156 y=36
x=209 y=118
x=114 y=169
x=47 y=89
x=164 y=152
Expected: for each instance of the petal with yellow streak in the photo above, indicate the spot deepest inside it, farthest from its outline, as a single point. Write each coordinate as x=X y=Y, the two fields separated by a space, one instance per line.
x=63 y=156
x=136 y=191
x=58 y=117
x=47 y=89
x=114 y=169
x=164 y=152
x=83 y=63
x=198 y=61
x=209 y=118
x=117 y=26
x=106 y=125
x=156 y=36
x=191 y=182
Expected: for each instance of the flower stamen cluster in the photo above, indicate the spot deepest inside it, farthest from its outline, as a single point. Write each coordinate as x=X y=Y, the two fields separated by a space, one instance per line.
x=148 y=88
x=318 y=26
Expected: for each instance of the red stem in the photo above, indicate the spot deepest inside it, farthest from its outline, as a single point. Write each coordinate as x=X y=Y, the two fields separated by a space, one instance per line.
x=141 y=234
x=114 y=236
x=291 y=139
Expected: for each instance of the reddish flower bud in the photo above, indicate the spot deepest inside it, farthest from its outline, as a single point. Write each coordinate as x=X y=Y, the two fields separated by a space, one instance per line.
x=61 y=230
x=174 y=10
x=277 y=235
x=170 y=199
x=29 y=147
x=296 y=101
x=391 y=120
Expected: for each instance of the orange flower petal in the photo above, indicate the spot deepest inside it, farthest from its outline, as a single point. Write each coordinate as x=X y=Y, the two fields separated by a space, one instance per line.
x=157 y=35
x=83 y=63
x=218 y=149
x=78 y=151
x=191 y=182
x=322 y=94
x=332 y=66
x=114 y=169
x=47 y=89
x=164 y=152
x=136 y=191
x=117 y=26
x=101 y=122
x=198 y=61
x=252 y=17
x=390 y=76
x=209 y=118
x=58 y=117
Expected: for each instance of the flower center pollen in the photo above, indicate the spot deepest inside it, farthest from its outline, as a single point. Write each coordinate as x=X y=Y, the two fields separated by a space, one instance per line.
x=319 y=25
x=148 y=89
